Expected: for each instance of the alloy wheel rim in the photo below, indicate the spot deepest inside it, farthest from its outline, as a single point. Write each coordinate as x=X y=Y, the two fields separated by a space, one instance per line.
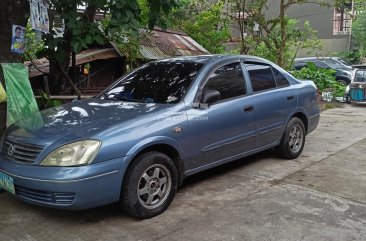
x=295 y=138
x=154 y=186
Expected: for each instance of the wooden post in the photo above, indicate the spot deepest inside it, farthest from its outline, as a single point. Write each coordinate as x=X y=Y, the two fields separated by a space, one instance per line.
x=46 y=85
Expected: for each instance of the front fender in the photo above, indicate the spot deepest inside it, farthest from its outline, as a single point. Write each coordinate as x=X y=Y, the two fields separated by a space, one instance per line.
x=151 y=141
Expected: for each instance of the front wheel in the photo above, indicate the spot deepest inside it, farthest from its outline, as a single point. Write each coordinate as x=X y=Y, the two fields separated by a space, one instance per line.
x=293 y=139
x=150 y=185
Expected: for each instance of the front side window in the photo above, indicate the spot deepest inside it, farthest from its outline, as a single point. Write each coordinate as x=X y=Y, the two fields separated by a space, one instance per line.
x=261 y=76
x=228 y=80
x=162 y=82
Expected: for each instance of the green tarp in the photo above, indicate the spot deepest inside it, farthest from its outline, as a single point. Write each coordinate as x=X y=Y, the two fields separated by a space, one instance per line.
x=20 y=98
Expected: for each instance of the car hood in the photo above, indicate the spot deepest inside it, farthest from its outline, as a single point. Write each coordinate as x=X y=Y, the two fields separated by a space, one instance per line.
x=78 y=120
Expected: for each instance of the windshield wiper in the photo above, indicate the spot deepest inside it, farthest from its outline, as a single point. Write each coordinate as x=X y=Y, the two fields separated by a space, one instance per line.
x=107 y=97
x=123 y=98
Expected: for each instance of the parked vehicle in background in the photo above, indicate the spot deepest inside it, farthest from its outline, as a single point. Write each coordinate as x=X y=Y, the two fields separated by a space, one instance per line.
x=356 y=91
x=343 y=69
x=142 y=136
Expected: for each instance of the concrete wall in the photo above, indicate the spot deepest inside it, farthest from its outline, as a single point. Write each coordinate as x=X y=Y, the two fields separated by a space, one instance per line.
x=331 y=46
x=320 y=18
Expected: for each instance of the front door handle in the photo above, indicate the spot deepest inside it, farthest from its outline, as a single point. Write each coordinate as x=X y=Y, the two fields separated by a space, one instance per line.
x=248 y=108
x=290 y=98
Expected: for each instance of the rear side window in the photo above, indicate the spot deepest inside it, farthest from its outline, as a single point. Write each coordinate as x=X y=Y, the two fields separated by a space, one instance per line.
x=261 y=76
x=228 y=80
x=280 y=79
x=299 y=65
x=321 y=65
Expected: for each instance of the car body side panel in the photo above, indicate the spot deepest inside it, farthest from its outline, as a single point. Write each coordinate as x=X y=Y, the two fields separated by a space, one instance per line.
x=308 y=103
x=273 y=108
x=224 y=131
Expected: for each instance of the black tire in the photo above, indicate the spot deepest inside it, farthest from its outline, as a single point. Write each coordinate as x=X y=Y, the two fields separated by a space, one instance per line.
x=343 y=82
x=149 y=186
x=293 y=139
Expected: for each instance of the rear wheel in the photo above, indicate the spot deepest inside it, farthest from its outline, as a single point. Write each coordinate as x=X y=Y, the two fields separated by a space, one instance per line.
x=343 y=82
x=293 y=139
x=150 y=185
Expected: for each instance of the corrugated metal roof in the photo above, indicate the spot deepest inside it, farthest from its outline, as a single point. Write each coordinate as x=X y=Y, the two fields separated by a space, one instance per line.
x=159 y=44
x=149 y=52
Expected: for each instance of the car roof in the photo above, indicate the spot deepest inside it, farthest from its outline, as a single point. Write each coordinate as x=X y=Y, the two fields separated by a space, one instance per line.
x=315 y=58
x=204 y=59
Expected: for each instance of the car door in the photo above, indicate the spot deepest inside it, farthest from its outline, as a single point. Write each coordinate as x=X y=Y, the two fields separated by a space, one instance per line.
x=275 y=101
x=226 y=128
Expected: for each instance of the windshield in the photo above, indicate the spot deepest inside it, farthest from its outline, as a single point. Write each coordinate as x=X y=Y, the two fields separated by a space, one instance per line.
x=163 y=82
x=360 y=75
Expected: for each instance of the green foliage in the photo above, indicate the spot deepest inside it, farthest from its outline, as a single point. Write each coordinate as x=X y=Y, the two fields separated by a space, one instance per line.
x=280 y=35
x=33 y=44
x=124 y=16
x=323 y=78
x=297 y=39
x=209 y=28
x=359 y=31
x=352 y=57
x=46 y=102
x=185 y=11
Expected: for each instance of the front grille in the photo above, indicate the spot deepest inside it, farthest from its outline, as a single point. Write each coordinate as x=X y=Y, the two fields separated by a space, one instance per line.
x=21 y=152
x=61 y=198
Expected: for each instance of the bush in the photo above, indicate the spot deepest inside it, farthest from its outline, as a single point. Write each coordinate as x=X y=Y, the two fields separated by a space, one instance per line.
x=323 y=78
x=353 y=56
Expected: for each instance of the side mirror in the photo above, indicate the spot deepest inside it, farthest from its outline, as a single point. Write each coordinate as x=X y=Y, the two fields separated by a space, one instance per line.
x=210 y=96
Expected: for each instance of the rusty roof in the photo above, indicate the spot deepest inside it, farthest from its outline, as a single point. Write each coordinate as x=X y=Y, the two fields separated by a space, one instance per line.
x=159 y=44
x=155 y=44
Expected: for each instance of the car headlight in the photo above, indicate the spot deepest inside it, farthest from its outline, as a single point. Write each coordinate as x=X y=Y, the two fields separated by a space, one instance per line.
x=74 y=154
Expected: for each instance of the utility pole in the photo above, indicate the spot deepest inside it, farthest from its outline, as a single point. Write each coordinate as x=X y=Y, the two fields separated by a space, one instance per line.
x=351 y=22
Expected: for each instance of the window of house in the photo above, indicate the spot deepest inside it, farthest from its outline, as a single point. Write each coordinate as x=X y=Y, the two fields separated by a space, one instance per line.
x=261 y=76
x=341 y=21
x=228 y=80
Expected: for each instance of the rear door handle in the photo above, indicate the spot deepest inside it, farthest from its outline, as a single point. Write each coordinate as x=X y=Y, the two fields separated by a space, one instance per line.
x=248 y=108
x=290 y=98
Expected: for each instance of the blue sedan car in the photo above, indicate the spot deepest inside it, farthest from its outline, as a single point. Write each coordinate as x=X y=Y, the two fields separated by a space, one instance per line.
x=169 y=119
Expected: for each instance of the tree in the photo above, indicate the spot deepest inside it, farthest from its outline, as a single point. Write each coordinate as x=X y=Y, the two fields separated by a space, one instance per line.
x=203 y=21
x=209 y=29
x=81 y=31
x=359 y=32
x=273 y=33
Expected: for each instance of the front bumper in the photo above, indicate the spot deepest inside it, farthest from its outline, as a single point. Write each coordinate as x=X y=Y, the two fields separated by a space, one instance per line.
x=71 y=188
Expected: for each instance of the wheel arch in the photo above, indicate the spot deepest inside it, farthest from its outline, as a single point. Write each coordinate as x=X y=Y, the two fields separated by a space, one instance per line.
x=303 y=118
x=343 y=78
x=162 y=146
